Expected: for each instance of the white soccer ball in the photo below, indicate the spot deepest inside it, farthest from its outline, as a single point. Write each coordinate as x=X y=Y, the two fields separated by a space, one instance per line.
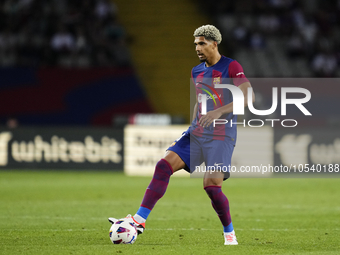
x=123 y=231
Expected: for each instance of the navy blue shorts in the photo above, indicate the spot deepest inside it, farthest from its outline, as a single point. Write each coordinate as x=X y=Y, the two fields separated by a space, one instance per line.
x=194 y=150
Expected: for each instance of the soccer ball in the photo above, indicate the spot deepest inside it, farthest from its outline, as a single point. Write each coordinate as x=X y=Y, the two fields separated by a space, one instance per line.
x=123 y=231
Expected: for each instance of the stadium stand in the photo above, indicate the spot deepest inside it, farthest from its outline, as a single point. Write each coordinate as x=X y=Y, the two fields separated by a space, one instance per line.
x=35 y=33
x=163 y=50
x=270 y=38
x=301 y=37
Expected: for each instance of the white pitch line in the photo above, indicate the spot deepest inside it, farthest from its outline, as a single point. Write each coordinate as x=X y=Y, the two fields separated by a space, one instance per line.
x=50 y=217
x=182 y=229
x=240 y=229
x=50 y=230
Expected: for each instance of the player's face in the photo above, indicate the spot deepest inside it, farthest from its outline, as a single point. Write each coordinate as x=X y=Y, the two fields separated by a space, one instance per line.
x=204 y=48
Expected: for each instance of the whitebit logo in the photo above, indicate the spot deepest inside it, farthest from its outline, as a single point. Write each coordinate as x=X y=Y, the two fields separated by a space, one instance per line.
x=5 y=137
x=59 y=150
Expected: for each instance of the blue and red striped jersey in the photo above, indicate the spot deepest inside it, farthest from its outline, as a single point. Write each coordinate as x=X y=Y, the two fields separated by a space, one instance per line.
x=225 y=71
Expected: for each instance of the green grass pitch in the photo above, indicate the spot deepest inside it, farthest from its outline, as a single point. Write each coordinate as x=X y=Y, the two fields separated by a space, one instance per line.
x=66 y=213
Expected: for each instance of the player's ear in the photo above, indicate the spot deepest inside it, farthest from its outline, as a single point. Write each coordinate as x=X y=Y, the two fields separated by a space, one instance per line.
x=215 y=44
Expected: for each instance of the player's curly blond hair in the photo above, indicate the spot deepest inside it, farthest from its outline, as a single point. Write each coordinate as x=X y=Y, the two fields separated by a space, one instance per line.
x=210 y=32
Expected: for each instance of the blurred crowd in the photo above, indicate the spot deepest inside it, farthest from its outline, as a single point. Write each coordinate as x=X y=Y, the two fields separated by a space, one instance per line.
x=86 y=33
x=67 y=33
x=310 y=28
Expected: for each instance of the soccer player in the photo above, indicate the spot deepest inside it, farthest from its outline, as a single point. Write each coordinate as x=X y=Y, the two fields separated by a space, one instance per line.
x=203 y=142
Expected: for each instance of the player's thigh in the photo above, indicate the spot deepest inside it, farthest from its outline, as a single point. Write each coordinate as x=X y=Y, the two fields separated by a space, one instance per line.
x=217 y=157
x=178 y=153
x=196 y=153
x=185 y=149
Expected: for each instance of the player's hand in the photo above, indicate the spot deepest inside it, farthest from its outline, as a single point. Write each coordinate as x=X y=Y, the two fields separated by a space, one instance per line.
x=207 y=119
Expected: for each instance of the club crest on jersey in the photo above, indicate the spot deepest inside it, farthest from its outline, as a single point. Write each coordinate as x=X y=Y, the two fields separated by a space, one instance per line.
x=217 y=80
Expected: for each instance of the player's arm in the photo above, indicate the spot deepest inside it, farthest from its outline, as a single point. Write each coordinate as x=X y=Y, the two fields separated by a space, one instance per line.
x=229 y=107
x=240 y=80
x=195 y=110
x=194 y=113
x=244 y=88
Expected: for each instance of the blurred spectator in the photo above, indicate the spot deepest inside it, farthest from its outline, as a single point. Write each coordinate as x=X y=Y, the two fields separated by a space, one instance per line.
x=114 y=31
x=257 y=41
x=309 y=31
x=269 y=23
x=241 y=34
x=12 y=123
x=324 y=64
x=63 y=40
x=281 y=4
x=81 y=40
x=298 y=17
x=295 y=46
x=121 y=54
x=8 y=53
x=104 y=8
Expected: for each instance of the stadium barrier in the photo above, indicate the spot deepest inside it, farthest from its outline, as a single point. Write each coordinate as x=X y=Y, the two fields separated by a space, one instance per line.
x=61 y=148
x=259 y=152
x=308 y=151
x=145 y=145
x=136 y=149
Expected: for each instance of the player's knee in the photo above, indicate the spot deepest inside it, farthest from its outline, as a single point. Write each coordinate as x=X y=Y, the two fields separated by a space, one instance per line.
x=213 y=179
x=212 y=190
x=164 y=166
x=163 y=171
x=174 y=161
x=212 y=182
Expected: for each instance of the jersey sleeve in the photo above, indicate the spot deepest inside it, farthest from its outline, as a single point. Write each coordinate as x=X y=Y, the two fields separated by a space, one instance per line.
x=192 y=76
x=236 y=73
